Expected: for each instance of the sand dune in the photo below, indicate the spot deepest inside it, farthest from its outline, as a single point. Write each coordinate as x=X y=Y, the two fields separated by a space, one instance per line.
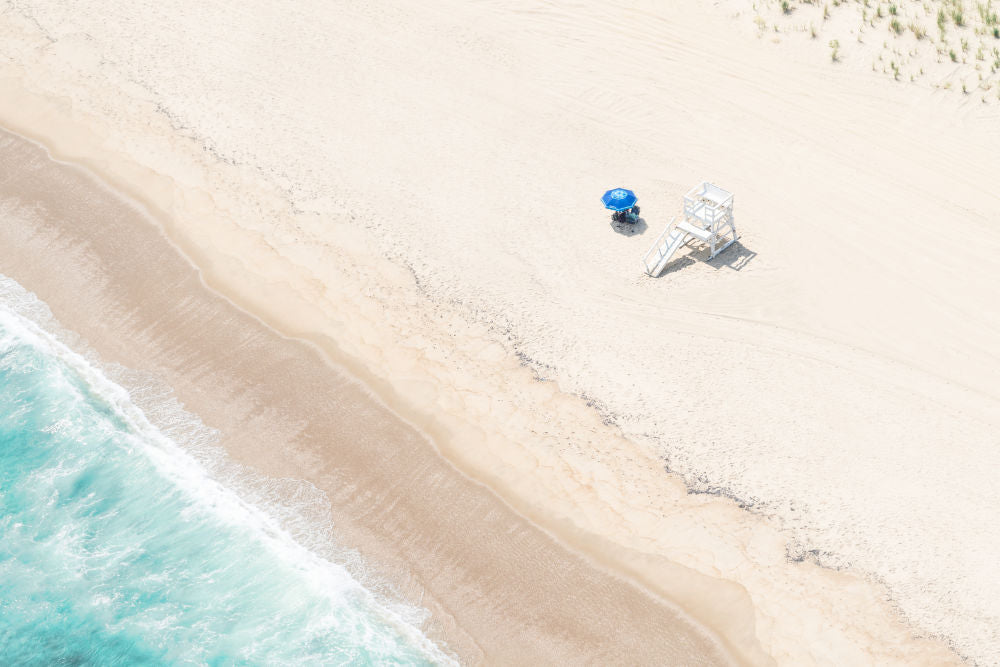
x=420 y=185
x=944 y=45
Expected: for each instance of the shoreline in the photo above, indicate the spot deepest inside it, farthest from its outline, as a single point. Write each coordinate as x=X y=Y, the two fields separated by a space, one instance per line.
x=145 y=343
x=285 y=526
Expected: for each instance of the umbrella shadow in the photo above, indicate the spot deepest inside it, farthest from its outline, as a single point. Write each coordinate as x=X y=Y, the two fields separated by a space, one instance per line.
x=630 y=228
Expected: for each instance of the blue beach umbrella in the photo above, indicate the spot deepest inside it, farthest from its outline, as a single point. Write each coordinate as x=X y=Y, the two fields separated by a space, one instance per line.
x=619 y=199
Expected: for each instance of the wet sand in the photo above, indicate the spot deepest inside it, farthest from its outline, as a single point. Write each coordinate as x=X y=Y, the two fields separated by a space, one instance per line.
x=500 y=589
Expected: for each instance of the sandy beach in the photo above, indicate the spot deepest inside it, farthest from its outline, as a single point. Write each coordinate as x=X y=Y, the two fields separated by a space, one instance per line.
x=500 y=589
x=382 y=226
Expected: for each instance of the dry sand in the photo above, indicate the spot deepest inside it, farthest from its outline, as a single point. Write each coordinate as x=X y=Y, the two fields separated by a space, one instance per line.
x=419 y=186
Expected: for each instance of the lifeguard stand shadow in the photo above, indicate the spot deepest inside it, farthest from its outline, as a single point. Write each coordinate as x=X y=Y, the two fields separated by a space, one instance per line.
x=636 y=228
x=734 y=257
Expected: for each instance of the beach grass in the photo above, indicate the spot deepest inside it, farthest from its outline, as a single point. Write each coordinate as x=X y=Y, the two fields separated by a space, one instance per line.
x=959 y=55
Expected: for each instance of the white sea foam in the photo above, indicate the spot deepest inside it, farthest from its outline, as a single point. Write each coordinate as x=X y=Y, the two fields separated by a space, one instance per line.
x=289 y=516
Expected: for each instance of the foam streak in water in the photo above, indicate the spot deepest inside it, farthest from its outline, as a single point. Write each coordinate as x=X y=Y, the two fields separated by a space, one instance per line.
x=118 y=546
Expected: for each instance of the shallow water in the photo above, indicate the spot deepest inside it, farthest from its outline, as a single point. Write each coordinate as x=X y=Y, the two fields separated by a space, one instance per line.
x=117 y=547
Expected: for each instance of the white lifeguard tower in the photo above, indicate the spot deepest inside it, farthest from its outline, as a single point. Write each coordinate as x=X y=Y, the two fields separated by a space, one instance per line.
x=708 y=217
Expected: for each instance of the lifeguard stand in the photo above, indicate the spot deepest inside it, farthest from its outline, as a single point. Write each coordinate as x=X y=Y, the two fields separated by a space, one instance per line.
x=708 y=212
x=708 y=217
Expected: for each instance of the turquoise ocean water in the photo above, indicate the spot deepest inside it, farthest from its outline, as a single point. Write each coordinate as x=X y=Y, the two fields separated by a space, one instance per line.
x=117 y=548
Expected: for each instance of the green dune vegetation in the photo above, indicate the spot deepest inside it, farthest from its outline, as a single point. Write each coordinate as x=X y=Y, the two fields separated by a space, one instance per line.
x=946 y=44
